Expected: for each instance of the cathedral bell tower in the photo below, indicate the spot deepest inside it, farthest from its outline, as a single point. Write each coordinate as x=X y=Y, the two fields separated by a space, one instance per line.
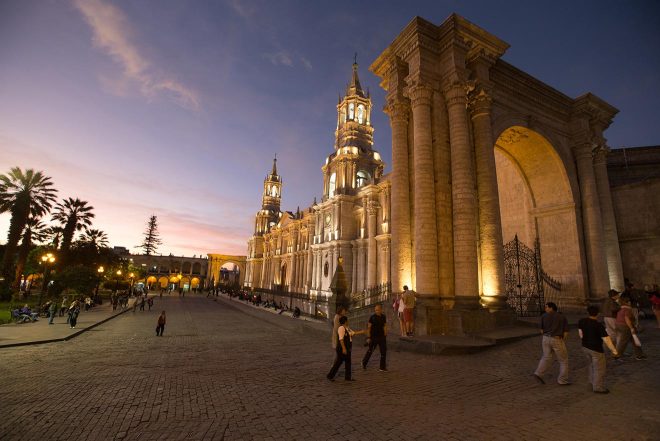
x=354 y=163
x=270 y=213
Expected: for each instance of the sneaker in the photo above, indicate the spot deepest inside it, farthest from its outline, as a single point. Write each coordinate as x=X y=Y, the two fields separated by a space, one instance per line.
x=538 y=378
x=383 y=370
x=604 y=391
x=640 y=357
x=565 y=384
x=330 y=379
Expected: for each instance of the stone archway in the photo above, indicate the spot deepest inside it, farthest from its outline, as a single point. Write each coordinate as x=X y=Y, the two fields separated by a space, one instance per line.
x=217 y=261
x=536 y=201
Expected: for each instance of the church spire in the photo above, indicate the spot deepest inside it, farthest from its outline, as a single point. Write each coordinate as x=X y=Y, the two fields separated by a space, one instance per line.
x=274 y=172
x=355 y=88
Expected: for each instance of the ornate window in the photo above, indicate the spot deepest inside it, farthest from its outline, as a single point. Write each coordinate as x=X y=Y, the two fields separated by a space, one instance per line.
x=332 y=185
x=273 y=191
x=351 y=111
x=362 y=178
x=326 y=269
x=360 y=114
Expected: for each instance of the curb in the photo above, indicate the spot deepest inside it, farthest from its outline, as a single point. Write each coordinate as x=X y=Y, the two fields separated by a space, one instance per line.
x=68 y=337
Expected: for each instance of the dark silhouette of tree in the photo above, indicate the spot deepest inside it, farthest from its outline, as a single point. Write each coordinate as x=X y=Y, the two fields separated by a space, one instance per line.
x=34 y=232
x=73 y=215
x=151 y=237
x=23 y=194
x=96 y=238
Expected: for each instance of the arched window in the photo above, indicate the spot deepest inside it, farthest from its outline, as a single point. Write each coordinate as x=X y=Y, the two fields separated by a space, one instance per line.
x=360 y=114
x=351 y=111
x=363 y=178
x=332 y=185
x=273 y=191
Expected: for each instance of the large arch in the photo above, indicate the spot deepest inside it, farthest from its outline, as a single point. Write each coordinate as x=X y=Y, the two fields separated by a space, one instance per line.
x=536 y=200
x=216 y=262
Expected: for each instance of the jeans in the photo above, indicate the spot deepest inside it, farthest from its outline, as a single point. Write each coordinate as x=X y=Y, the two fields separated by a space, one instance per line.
x=52 y=316
x=382 y=346
x=339 y=359
x=624 y=336
x=596 y=369
x=554 y=346
x=610 y=327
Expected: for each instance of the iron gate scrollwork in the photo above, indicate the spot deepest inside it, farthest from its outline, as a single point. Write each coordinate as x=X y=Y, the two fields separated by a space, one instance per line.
x=524 y=278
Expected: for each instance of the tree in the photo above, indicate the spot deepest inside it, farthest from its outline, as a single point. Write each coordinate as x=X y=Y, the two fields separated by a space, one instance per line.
x=96 y=238
x=23 y=194
x=34 y=231
x=78 y=278
x=54 y=234
x=74 y=215
x=151 y=237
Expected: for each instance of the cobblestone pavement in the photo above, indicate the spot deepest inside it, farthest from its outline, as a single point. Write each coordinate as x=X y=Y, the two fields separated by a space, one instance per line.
x=219 y=373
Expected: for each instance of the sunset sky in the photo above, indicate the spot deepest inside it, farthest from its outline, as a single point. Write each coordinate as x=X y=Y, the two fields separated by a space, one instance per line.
x=176 y=108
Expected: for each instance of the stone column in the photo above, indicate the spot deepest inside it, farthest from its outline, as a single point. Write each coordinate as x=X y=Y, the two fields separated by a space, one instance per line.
x=464 y=200
x=490 y=223
x=355 y=270
x=612 y=250
x=372 y=257
x=425 y=234
x=319 y=270
x=400 y=205
x=592 y=225
x=360 y=266
x=310 y=265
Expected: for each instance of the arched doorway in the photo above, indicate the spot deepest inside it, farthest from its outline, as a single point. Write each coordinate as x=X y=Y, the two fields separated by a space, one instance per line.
x=283 y=276
x=536 y=202
x=163 y=282
x=151 y=282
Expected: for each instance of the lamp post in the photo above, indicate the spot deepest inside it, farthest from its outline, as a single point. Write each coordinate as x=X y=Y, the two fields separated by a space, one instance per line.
x=100 y=270
x=179 y=276
x=46 y=259
x=131 y=275
x=117 y=281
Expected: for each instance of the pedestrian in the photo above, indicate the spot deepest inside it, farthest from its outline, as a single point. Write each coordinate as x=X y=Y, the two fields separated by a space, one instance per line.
x=160 y=327
x=377 y=336
x=626 y=329
x=593 y=334
x=52 y=309
x=74 y=311
x=142 y=302
x=343 y=351
x=408 y=298
x=341 y=312
x=610 y=308
x=150 y=302
x=554 y=328
x=63 y=306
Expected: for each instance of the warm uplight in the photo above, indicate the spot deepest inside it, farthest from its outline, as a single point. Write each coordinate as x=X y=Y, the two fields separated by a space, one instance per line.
x=100 y=270
x=119 y=272
x=130 y=275
x=48 y=258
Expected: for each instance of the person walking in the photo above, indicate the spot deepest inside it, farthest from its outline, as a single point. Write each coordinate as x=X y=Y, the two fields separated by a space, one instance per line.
x=610 y=308
x=377 y=336
x=52 y=309
x=626 y=329
x=63 y=306
x=160 y=326
x=409 y=301
x=142 y=302
x=593 y=334
x=341 y=312
x=343 y=351
x=150 y=302
x=74 y=311
x=554 y=328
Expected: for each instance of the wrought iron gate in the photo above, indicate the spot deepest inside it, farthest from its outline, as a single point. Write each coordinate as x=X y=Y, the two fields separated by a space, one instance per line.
x=525 y=279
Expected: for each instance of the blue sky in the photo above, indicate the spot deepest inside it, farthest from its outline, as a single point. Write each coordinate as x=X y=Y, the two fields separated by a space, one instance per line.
x=176 y=108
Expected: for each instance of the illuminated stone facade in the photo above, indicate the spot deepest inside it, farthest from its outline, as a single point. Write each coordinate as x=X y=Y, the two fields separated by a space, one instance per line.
x=482 y=151
x=298 y=251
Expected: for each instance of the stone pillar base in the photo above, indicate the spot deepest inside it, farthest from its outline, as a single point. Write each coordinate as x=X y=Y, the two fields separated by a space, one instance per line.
x=495 y=303
x=431 y=318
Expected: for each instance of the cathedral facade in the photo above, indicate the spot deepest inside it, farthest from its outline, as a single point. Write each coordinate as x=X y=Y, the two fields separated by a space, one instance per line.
x=298 y=251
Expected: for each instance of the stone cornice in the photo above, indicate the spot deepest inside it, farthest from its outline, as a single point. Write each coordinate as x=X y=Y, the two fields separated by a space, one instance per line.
x=478 y=41
x=599 y=112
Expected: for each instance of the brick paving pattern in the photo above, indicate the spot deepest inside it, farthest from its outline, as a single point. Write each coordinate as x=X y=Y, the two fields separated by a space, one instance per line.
x=219 y=373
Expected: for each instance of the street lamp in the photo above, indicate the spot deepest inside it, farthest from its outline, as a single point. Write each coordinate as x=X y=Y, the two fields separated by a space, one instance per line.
x=131 y=275
x=98 y=282
x=117 y=282
x=46 y=259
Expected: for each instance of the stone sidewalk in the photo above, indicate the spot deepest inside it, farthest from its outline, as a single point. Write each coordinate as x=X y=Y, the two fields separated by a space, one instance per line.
x=39 y=332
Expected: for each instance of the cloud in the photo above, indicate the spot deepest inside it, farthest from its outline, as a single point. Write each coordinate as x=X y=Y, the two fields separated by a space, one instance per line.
x=243 y=8
x=280 y=58
x=113 y=34
x=305 y=62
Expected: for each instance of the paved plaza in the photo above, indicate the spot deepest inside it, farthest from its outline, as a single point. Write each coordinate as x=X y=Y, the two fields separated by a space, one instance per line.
x=224 y=370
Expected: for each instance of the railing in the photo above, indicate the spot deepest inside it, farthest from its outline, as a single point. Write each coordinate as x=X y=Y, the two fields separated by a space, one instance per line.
x=372 y=295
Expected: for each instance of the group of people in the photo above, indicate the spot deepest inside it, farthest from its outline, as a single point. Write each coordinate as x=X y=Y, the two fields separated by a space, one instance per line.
x=404 y=305
x=72 y=310
x=619 y=328
x=342 y=341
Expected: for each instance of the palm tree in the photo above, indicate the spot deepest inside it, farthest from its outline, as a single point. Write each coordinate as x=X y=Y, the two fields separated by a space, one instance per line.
x=74 y=215
x=54 y=235
x=35 y=231
x=23 y=194
x=97 y=238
